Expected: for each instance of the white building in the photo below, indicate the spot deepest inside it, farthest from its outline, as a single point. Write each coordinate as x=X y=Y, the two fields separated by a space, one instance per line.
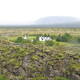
x=41 y=38
x=25 y=37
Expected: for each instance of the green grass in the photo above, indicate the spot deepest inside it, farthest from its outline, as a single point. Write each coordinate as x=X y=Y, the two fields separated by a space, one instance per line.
x=3 y=77
x=12 y=38
x=32 y=37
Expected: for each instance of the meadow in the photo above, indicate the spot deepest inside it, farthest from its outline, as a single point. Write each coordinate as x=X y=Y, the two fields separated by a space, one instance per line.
x=12 y=34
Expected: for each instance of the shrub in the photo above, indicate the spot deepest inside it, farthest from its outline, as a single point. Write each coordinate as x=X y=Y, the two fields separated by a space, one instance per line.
x=59 y=38
x=53 y=37
x=78 y=39
x=64 y=38
x=19 y=40
x=49 y=43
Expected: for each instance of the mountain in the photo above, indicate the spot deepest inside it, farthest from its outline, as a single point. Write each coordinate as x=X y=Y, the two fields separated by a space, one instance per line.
x=56 y=20
x=51 y=21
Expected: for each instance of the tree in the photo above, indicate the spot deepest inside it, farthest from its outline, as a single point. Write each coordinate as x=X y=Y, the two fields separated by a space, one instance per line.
x=19 y=40
x=64 y=38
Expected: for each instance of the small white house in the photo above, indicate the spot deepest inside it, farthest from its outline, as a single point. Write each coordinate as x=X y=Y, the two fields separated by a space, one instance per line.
x=25 y=37
x=42 y=38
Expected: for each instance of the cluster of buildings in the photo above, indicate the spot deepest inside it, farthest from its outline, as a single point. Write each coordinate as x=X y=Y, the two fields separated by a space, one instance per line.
x=44 y=38
x=41 y=38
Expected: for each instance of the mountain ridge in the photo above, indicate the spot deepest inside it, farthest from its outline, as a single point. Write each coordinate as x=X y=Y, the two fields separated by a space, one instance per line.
x=56 y=20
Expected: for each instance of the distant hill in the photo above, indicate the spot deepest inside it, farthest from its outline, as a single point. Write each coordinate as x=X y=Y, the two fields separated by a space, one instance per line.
x=56 y=20
x=51 y=21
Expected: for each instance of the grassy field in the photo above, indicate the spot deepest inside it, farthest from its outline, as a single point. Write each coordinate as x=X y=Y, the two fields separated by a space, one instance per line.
x=21 y=31
x=11 y=34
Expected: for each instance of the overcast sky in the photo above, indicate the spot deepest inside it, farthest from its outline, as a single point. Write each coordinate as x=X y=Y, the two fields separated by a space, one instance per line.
x=27 y=11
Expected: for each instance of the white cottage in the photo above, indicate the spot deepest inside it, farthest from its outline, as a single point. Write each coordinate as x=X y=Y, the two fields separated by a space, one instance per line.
x=25 y=37
x=42 y=38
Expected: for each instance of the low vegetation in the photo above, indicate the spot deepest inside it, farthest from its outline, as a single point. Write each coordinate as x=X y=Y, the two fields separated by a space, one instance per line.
x=31 y=59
